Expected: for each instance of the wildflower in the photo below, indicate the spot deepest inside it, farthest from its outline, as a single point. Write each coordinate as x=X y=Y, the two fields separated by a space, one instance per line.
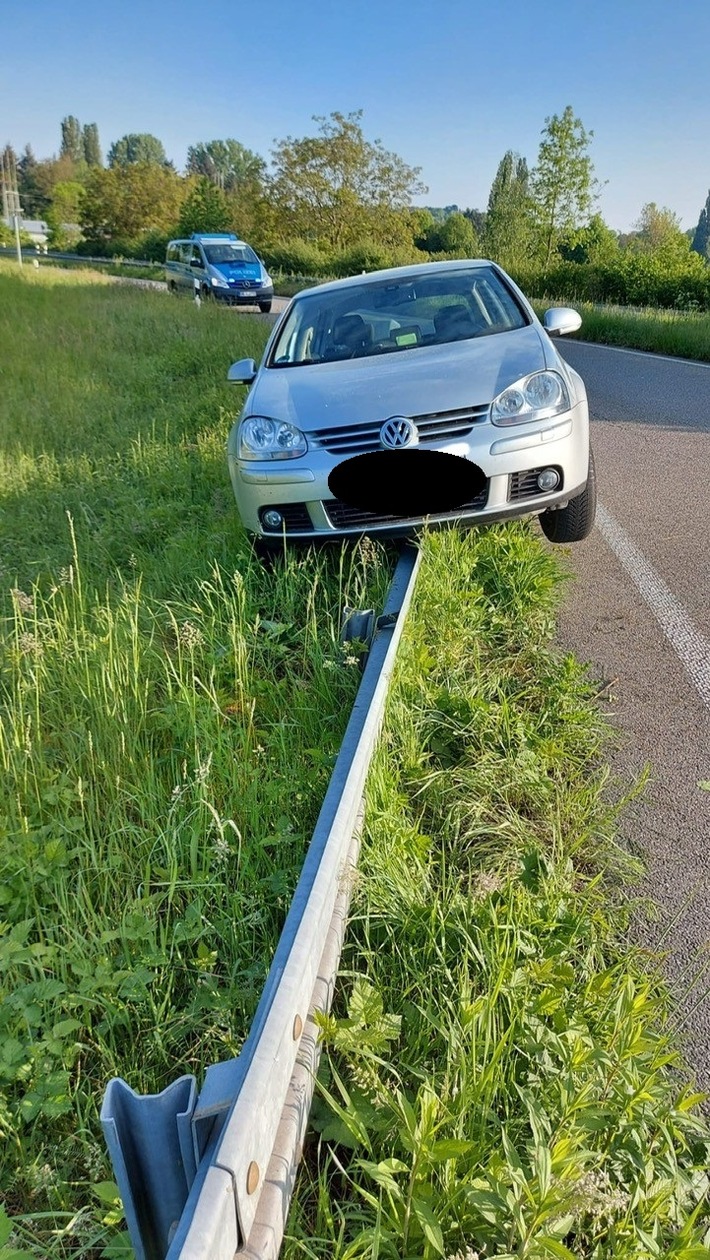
x=485 y=884
x=329 y=665
x=30 y=644
x=221 y=849
x=368 y=551
x=95 y=1161
x=190 y=636
x=351 y=660
x=202 y=770
x=22 y=599
x=66 y=576
x=259 y=750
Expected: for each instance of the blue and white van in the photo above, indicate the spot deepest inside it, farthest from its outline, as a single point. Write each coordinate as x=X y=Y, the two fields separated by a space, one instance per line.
x=218 y=265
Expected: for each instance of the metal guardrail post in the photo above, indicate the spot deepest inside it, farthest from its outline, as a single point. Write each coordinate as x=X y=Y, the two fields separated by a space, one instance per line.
x=248 y=1122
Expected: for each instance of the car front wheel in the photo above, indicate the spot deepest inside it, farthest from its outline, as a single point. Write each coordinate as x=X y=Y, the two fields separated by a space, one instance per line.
x=574 y=522
x=265 y=307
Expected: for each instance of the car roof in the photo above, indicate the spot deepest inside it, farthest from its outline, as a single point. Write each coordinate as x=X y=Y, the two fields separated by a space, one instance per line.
x=399 y=273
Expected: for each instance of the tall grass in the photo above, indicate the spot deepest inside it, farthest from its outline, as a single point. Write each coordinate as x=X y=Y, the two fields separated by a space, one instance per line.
x=684 y=334
x=501 y=1081
x=169 y=713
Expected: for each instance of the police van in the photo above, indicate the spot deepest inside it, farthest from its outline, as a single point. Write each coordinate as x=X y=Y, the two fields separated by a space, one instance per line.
x=218 y=265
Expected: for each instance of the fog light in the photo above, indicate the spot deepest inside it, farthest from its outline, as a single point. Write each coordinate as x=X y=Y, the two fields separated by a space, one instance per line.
x=548 y=479
x=272 y=519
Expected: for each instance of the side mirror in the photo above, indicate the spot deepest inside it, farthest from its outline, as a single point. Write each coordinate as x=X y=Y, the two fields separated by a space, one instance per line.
x=196 y=262
x=560 y=320
x=242 y=373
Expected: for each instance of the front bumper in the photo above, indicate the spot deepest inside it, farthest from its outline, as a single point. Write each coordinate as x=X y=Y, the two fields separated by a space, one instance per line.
x=243 y=297
x=510 y=458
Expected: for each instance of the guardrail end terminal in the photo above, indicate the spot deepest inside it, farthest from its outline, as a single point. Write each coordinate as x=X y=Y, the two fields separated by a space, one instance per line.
x=150 y=1141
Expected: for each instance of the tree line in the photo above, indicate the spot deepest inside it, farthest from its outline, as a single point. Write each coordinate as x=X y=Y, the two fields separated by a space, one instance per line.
x=335 y=202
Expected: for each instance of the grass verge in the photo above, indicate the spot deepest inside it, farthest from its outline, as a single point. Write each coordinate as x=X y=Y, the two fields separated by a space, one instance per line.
x=682 y=334
x=501 y=1081
x=169 y=714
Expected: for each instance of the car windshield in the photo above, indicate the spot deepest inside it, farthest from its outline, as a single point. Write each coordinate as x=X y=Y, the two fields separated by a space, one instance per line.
x=395 y=316
x=230 y=253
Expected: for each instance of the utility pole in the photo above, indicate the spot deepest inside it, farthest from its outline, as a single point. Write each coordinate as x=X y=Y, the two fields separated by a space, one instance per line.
x=11 y=208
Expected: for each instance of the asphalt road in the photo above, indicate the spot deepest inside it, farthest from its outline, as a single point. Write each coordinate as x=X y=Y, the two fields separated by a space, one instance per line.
x=638 y=611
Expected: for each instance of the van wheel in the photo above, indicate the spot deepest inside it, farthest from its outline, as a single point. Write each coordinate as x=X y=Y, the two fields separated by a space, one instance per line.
x=265 y=307
x=574 y=522
x=172 y=288
x=206 y=293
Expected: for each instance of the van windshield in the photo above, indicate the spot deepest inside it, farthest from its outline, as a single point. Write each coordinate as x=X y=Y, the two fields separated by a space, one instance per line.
x=228 y=253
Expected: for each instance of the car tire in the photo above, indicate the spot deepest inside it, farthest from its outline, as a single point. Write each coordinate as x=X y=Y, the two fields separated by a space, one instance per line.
x=172 y=288
x=574 y=522
x=265 y=307
x=206 y=293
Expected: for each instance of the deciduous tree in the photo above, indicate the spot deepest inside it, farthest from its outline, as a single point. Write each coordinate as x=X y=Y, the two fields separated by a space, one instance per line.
x=227 y=163
x=594 y=243
x=126 y=201
x=137 y=149
x=325 y=187
x=657 y=231
x=563 y=183
x=205 y=209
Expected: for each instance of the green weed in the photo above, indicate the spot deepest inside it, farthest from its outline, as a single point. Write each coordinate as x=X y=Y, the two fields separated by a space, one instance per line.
x=502 y=1081
x=169 y=714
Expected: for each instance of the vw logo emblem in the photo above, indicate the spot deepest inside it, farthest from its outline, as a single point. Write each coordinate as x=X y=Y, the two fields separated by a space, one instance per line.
x=398 y=432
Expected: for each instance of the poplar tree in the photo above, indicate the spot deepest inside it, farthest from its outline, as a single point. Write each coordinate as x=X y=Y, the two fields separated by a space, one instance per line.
x=508 y=224
x=91 y=146
x=701 y=239
x=72 y=145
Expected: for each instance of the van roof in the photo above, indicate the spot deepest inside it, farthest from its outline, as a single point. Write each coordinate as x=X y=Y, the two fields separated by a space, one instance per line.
x=214 y=236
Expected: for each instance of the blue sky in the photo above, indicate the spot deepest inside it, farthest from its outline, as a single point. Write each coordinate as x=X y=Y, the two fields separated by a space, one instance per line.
x=449 y=86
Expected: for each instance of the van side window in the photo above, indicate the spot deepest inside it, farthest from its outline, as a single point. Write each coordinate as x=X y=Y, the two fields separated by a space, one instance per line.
x=196 y=256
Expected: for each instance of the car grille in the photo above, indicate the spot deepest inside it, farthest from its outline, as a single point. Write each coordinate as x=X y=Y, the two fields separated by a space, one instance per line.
x=295 y=518
x=437 y=426
x=343 y=516
x=523 y=485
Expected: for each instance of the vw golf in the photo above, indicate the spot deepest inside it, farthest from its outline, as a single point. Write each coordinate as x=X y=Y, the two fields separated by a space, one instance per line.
x=426 y=394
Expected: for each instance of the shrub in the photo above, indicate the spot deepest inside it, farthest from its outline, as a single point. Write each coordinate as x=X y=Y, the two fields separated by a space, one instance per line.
x=298 y=258
x=631 y=280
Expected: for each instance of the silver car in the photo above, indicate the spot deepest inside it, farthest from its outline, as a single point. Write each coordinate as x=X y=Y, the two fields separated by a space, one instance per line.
x=427 y=394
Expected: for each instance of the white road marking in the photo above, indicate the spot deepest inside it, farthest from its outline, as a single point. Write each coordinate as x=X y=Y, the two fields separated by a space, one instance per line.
x=692 y=649
x=644 y=354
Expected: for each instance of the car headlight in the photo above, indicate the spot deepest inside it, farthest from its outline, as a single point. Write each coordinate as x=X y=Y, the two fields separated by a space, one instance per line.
x=219 y=282
x=535 y=397
x=258 y=437
x=266 y=278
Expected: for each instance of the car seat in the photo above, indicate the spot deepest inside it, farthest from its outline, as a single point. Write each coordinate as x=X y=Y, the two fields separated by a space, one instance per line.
x=455 y=323
x=353 y=333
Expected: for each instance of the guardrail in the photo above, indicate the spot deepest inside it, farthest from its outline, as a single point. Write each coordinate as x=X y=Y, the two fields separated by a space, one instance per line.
x=31 y=251
x=203 y=1177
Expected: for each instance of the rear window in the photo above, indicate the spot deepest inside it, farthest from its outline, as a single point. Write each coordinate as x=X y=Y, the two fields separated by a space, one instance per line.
x=391 y=317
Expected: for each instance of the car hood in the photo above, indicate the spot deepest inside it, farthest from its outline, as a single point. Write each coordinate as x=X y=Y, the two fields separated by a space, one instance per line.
x=239 y=270
x=417 y=382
